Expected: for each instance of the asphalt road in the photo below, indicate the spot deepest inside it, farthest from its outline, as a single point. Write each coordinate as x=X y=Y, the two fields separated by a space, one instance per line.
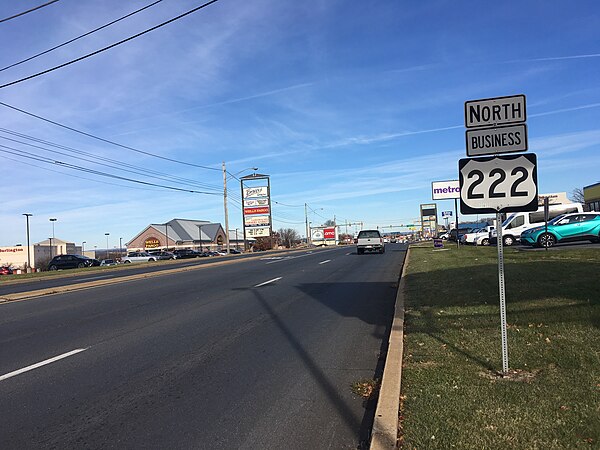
x=259 y=354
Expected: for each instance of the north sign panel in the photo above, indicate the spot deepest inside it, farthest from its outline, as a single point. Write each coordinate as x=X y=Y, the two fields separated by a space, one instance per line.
x=491 y=112
x=506 y=183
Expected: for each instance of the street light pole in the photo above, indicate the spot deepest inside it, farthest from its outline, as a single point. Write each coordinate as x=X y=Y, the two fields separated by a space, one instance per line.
x=107 y=254
x=27 y=216
x=52 y=220
x=200 y=236
x=120 y=246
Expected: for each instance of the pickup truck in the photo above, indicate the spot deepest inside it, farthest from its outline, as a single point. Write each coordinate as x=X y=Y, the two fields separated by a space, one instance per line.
x=134 y=257
x=369 y=240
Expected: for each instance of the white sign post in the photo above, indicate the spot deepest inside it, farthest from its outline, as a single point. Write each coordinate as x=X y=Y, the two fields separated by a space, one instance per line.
x=499 y=184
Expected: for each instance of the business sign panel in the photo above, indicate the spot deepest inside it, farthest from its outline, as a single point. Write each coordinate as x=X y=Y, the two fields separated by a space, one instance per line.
x=151 y=242
x=256 y=192
x=443 y=190
x=329 y=233
x=255 y=232
x=485 y=141
x=254 y=221
x=446 y=214
x=506 y=183
x=491 y=112
x=257 y=210
x=256 y=202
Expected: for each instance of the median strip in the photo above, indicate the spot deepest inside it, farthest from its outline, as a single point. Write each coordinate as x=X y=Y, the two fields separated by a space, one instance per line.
x=42 y=363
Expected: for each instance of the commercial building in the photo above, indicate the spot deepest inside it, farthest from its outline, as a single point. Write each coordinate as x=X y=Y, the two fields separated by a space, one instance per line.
x=591 y=194
x=39 y=253
x=179 y=233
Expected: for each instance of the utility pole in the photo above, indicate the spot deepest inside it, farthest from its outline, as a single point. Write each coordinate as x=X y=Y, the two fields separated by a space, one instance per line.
x=225 y=208
x=306 y=220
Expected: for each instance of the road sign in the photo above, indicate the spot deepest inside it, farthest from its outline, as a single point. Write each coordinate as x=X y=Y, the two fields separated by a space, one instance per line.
x=441 y=190
x=491 y=112
x=506 y=183
x=486 y=141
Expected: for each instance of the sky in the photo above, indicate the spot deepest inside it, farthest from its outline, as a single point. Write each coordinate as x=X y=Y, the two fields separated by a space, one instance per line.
x=352 y=108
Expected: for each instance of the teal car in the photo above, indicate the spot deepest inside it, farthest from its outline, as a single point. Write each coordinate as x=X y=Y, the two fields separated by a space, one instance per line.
x=567 y=228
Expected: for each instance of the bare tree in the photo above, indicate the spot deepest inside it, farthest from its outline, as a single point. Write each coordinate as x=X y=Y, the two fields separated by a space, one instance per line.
x=329 y=223
x=288 y=236
x=577 y=196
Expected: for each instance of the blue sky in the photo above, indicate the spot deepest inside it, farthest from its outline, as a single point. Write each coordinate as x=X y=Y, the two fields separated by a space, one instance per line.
x=351 y=107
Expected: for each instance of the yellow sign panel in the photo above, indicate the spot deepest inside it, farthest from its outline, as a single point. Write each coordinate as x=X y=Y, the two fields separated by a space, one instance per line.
x=151 y=243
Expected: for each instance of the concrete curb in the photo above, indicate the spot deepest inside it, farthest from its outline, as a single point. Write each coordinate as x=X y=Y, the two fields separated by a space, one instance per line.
x=385 y=425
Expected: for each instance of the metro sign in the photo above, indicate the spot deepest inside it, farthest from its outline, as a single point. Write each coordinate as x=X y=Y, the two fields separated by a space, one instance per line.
x=496 y=125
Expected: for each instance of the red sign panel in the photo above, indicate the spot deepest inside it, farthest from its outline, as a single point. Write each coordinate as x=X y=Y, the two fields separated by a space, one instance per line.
x=259 y=210
x=329 y=233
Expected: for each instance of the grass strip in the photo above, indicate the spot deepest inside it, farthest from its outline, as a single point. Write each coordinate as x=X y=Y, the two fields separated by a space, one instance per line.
x=452 y=393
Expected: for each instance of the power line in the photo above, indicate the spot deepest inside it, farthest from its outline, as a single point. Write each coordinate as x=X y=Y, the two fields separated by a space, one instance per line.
x=110 y=46
x=27 y=155
x=77 y=176
x=28 y=11
x=97 y=158
x=80 y=36
x=106 y=140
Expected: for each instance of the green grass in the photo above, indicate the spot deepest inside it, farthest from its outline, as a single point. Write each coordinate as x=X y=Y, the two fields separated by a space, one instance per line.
x=453 y=396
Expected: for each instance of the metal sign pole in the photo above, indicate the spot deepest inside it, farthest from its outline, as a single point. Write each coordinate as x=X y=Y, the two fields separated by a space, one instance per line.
x=502 y=295
x=456 y=211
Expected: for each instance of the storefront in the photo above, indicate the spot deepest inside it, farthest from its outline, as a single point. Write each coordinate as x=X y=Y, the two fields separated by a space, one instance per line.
x=179 y=233
x=591 y=194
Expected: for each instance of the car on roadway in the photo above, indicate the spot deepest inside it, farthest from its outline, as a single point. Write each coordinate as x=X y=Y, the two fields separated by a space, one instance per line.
x=186 y=253
x=60 y=262
x=568 y=228
x=369 y=240
x=137 y=257
x=162 y=255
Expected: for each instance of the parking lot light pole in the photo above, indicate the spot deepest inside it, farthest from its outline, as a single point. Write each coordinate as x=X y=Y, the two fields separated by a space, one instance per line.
x=120 y=246
x=52 y=220
x=27 y=216
x=107 y=253
x=83 y=247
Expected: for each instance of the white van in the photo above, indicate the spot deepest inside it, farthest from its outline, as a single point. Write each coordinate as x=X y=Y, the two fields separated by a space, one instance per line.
x=516 y=223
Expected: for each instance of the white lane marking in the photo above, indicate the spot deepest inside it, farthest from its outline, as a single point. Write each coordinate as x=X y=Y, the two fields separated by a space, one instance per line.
x=267 y=282
x=348 y=253
x=325 y=262
x=42 y=363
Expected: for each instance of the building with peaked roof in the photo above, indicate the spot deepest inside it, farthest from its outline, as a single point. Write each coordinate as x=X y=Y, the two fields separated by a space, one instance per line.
x=179 y=233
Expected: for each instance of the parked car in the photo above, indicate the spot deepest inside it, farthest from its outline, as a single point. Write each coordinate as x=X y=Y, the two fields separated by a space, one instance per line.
x=161 y=254
x=454 y=236
x=71 y=262
x=478 y=236
x=108 y=262
x=5 y=271
x=135 y=257
x=569 y=228
x=445 y=235
x=369 y=240
x=211 y=253
x=516 y=223
x=234 y=251
x=184 y=253
x=222 y=252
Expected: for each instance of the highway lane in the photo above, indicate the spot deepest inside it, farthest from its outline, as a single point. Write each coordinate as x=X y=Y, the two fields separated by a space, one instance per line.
x=259 y=354
x=70 y=277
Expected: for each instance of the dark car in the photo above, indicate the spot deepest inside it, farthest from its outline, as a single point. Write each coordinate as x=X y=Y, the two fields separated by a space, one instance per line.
x=461 y=232
x=5 y=271
x=185 y=253
x=161 y=254
x=71 y=262
x=234 y=251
